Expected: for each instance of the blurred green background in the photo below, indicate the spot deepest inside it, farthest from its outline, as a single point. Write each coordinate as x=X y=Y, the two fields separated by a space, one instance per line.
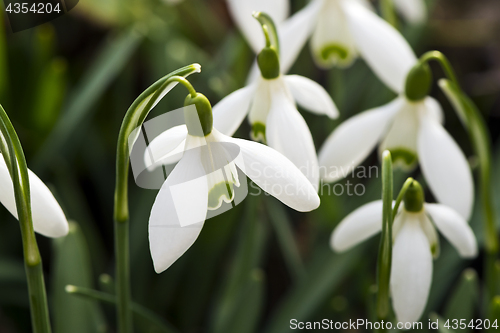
x=66 y=86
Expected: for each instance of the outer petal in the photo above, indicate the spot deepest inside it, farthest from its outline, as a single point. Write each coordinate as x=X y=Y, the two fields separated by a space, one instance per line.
x=48 y=217
x=445 y=167
x=382 y=46
x=358 y=226
x=230 y=111
x=414 y=11
x=354 y=139
x=434 y=109
x=241 y=11
x=168 y=240
x=311 y=95
x=455 y=228
x=275 y=174
x=287 y=132
x=411 y=272
x=295 y=31
x=164 y=144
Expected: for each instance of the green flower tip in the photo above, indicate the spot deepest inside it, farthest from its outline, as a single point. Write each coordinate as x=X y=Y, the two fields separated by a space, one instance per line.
x=414 y=197
x=196 y=67
x=203 y=115
x=70 y=288
x=470 y=275
x=386 y=154
x=418 y=82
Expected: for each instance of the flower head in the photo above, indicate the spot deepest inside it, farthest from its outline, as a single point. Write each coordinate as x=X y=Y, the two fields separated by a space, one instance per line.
x=270 y=103
x=207 y=175
x=415 y=244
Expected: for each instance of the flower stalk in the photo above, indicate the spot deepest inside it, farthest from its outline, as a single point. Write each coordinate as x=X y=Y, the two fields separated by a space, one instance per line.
x=385 y=249
x=135 y=116
x=13 y=154
x=478 y=134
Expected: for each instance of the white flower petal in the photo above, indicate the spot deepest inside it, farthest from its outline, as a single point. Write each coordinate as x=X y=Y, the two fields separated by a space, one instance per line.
x=311 y=95
x=445 y=167
x=401 y=139
x=352 y=141
x=434 y=109
x=261 y=102
x=382 y=46
x=455 y=228
x=332 y=43
x=295 y=31
x=358 y=226
x=287 y=132
x=431 y=234
x=48 y=217
x=165 y=145
x=414 y=11
x=173 y=207
x=231 y=110
x=274 y=173
x=241 y=11
x=411 y=272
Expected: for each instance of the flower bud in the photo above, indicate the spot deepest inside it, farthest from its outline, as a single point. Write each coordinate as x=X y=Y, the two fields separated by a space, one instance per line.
x=418 y=82
x=203 y=115
x=269 y=62
x=414 y=197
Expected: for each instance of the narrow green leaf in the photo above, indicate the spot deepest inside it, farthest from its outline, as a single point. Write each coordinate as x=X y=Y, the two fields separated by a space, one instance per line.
x=494 y=310
x=283 y=229
x=156 y=323
x=325 y=273
x=72 y=266
x=110 y=61
x=464 y=301
x=441 y=322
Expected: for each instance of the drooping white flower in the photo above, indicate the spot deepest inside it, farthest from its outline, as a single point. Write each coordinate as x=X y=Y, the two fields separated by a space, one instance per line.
x=270 y=103
x=205 y=177
x=415 y=243
x=48 y=217
x=412 y=132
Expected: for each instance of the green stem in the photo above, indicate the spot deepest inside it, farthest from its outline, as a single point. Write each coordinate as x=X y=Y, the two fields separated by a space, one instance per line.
x=388 y=12
x=134 y=118
x=13 y=153
x=478 y=134
x=138 y=309
x=400 y=197
x=269 y=28
x=385 y=249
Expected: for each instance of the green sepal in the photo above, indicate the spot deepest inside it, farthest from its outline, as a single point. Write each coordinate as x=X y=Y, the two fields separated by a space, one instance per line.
x=418 y=82
x=414 y=197
x=404 y=157
x=269 y=63
x=204 y=118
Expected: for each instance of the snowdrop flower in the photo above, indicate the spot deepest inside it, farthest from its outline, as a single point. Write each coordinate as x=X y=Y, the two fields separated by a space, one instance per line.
x=414 y=11
x=48 y=217
x=207 y=175
x=410 y=127
x=269 y=102
x=415 y=241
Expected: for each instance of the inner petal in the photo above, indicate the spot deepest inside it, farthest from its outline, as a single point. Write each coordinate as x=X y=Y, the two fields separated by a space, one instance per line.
x=331 y=42
x=401 y=139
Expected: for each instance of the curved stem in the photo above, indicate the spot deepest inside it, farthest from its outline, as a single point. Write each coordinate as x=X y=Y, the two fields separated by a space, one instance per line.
x=400 y=197
x=14 y=156
x=135 y=116
x=479 y=136
x=267 y=23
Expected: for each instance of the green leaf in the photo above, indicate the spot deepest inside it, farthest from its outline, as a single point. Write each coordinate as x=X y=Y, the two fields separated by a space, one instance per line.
x=72 y=266
x=81 y=102
x=464 y=301
x=325 y=273
x=283 y=228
